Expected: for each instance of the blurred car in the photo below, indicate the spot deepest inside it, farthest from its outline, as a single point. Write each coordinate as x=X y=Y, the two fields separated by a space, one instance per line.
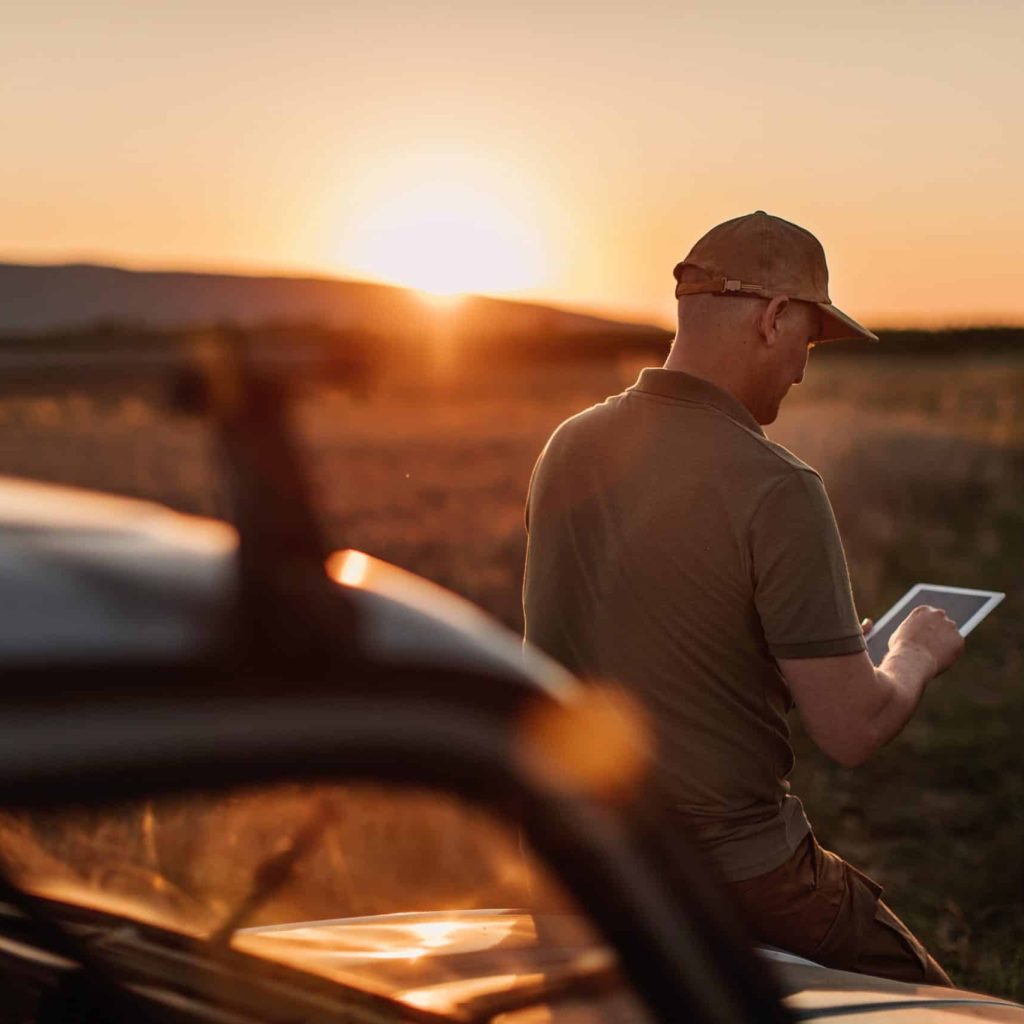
x=243 y=778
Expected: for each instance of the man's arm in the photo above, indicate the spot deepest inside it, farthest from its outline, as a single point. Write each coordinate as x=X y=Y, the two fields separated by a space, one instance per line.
x=850 y=708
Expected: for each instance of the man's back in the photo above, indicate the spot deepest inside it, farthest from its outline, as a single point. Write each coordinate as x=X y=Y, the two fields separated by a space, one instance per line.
x=675 y=550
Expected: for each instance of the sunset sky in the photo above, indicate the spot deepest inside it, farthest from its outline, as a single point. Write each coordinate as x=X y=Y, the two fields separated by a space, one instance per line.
x=563 y=152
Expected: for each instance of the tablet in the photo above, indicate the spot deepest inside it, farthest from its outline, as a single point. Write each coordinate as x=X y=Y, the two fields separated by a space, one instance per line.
x=965 y=607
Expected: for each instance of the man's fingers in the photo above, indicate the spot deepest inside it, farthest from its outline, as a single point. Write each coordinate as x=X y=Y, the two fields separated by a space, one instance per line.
x=934 y=631
x=866 y=625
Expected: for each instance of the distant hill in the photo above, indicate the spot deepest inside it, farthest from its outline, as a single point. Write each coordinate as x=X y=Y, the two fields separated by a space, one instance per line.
x=48 y=299
x=76 y=298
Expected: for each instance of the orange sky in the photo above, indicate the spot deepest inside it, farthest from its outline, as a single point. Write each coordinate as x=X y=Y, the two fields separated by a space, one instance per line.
x=568 y=153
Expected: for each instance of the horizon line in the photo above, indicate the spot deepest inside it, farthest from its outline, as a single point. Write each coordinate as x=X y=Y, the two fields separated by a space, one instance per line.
x=969 y=321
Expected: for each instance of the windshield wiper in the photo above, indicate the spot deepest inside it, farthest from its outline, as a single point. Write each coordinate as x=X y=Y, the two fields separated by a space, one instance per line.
x=272 y=872
x=89 y=990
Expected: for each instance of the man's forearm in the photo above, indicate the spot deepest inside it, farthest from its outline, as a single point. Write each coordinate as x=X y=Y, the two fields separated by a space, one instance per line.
x=851 y=708
x=903 y=676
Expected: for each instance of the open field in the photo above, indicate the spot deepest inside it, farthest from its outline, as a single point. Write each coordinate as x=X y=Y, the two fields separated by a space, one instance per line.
x=924 y=460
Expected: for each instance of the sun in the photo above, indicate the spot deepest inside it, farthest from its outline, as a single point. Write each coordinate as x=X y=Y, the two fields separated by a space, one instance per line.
x=445 y=224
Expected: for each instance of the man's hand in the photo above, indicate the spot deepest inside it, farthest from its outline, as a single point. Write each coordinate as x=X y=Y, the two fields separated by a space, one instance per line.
x=931 y=632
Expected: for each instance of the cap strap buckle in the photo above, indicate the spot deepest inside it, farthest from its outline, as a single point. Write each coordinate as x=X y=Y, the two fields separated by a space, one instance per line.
x=730 y=286
x=720 y=286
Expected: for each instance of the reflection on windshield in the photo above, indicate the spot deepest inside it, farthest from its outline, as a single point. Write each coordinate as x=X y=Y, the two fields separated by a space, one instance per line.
x=406 y=937
x=434 y=935
x=398 y=892
x=442 y=961
x=381 y=851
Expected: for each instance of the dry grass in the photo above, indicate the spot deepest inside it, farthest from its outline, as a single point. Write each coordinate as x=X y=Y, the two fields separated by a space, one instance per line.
x=925 y=465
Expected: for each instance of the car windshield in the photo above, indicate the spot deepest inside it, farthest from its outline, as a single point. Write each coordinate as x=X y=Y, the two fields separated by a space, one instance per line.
x=410 y=894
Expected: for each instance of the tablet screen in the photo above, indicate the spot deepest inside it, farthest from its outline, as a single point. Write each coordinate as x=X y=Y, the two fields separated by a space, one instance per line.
x=965 y=607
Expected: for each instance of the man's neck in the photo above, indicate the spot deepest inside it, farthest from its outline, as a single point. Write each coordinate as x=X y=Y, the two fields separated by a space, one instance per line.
x=726 y=374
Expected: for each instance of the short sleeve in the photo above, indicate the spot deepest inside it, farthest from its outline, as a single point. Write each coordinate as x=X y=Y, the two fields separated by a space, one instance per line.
x=801 y=582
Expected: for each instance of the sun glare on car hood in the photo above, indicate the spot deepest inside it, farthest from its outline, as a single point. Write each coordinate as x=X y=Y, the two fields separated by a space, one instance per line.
x=438 y=961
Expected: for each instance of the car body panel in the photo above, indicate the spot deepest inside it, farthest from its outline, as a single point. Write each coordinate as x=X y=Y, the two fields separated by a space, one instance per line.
x=85 y=577
x=88 y=577
x=439 y=961
x=405 y=619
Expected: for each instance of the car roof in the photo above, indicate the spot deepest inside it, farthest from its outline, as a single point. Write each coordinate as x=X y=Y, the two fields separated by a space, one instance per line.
x=86 y=576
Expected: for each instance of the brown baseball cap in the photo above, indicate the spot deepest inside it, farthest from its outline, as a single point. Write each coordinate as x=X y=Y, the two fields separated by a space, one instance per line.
x=759 y=254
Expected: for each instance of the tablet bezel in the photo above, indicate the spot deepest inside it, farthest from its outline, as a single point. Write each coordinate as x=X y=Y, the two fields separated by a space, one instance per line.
x=994 y=598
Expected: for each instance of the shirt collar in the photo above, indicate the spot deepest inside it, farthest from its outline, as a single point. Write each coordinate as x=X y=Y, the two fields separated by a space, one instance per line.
x=684 y=387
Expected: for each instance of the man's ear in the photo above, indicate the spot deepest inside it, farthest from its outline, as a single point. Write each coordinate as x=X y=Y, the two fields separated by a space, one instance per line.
x=768 y=322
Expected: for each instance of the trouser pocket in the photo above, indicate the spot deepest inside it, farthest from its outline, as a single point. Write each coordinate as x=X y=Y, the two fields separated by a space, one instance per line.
x=915 y=964
x=867 y=937
x=882 y=917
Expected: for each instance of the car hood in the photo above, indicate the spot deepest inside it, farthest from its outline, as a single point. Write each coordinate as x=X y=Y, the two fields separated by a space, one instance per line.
x=813 y=991
x=443 y=961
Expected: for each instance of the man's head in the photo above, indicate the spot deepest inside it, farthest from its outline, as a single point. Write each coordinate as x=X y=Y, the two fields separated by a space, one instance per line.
x=753 y=299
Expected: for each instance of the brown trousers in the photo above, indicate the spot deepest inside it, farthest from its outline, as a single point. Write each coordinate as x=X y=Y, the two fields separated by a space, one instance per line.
x=818 y=906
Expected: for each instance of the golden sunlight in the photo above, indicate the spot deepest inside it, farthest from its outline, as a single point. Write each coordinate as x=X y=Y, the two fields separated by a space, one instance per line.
x=441 y=300
x=446 y=223
x=434 y=934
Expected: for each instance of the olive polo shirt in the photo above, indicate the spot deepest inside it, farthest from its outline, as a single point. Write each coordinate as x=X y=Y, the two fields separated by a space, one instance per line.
x=674 y=549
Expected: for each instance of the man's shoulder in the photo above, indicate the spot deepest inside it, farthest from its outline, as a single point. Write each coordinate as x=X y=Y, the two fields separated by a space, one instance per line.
x=749 y=455
x=754 y=458
x=779 y=457
x=593 y=419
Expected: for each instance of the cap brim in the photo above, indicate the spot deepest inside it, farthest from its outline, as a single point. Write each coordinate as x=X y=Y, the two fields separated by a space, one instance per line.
x=840 y=327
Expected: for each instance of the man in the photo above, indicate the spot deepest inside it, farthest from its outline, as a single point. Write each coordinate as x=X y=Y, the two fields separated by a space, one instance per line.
x=675 y=549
